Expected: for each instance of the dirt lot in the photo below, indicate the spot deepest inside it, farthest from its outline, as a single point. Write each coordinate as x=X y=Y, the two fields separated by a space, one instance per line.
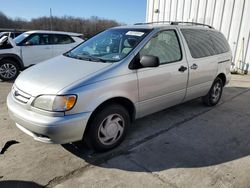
x=188 y=145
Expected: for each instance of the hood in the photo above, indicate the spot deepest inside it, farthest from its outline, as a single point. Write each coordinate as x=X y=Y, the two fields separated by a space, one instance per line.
x=51 y=76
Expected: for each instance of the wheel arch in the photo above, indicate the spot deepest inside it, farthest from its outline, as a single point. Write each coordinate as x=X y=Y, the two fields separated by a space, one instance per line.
x=123 y=101
x=14 y=58
x=222 y=76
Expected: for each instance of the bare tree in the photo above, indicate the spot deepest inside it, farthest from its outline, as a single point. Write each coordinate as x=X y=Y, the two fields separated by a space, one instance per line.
x=88 y=27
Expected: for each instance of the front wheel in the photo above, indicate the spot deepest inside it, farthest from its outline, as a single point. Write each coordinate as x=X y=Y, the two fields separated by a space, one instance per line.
x=214 y=94
x=108 y=128
x=9 y=70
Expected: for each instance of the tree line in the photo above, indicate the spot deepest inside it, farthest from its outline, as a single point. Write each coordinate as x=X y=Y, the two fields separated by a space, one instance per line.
x=87 y=26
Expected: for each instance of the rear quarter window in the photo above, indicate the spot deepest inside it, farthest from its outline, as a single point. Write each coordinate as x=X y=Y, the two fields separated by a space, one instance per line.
x=219 y=41
x=62 y=39
x=199 y=42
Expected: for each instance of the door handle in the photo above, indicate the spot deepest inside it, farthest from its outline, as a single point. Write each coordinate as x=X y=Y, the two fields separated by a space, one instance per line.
x=182 y=69
x=194 y=66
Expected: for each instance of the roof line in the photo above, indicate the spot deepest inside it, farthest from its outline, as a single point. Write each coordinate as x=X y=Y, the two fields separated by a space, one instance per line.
x=176 y=23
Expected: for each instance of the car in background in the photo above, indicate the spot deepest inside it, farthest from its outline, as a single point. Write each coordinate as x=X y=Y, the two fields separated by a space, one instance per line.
x=11 y=34
x=33 y=47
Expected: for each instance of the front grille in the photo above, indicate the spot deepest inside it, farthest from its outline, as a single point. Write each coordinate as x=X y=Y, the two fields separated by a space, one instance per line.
x=20 y=95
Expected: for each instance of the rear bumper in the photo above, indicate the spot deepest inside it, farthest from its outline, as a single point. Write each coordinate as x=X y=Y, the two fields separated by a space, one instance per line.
x=48 y=129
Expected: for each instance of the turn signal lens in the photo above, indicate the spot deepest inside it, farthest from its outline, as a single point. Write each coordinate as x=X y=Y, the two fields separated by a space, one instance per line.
x=64 y=103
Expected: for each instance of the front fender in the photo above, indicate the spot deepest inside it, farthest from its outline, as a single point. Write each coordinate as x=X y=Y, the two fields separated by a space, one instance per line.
x=93 y=95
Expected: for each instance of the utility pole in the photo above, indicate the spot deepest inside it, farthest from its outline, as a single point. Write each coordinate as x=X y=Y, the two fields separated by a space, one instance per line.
x=50 y=19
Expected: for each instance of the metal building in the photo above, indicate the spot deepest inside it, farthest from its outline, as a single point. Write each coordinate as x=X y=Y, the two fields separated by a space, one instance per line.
x=231 y=17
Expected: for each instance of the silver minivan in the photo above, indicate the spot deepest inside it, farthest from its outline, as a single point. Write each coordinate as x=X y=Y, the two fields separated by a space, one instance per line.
x=94 y=91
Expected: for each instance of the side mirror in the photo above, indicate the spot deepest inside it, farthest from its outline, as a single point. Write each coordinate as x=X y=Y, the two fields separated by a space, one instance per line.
x=27 y=43
x=149 y=61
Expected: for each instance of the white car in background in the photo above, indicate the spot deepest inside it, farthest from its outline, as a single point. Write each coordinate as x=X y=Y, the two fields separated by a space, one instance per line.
x=12 y=34
x=33 y=47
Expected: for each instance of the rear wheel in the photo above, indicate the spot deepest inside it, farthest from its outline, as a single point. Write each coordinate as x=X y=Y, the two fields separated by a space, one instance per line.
x=9 y=70
x=214 y=94
x=108 y=128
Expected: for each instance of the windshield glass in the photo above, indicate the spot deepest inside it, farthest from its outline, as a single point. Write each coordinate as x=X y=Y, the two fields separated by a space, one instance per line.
x=109 y=46
x=20 y=38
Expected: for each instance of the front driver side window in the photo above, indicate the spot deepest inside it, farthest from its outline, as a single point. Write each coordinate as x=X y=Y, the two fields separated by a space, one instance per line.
x=165 y=46
x=34 y=40
x=38 y=39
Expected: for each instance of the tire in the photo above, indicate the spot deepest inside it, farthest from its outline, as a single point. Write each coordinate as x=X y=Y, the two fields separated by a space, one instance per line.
x=214 y=94
x=108 y=128
x=9 y=70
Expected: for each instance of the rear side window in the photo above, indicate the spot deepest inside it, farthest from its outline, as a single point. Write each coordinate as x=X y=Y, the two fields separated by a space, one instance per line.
x=165 y=45
x=199 y=42
x=219 y=41
x=62 y=39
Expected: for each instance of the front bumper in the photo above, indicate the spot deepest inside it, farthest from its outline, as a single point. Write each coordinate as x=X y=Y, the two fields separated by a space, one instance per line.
x=48 y=129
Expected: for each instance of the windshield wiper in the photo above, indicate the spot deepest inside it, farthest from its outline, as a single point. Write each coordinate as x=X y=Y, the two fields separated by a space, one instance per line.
x=68 y=54
x=89 y=58
x=81 y=57
x=97 y=59
x=85 y=57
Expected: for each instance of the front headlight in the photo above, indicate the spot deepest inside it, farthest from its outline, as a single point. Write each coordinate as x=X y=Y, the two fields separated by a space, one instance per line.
x=55 y=103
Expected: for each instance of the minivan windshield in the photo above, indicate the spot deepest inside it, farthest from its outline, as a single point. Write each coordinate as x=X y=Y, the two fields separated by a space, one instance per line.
x=109 y=46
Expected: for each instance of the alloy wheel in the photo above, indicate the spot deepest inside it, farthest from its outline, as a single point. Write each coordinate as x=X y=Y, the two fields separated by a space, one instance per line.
x=8 y=71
